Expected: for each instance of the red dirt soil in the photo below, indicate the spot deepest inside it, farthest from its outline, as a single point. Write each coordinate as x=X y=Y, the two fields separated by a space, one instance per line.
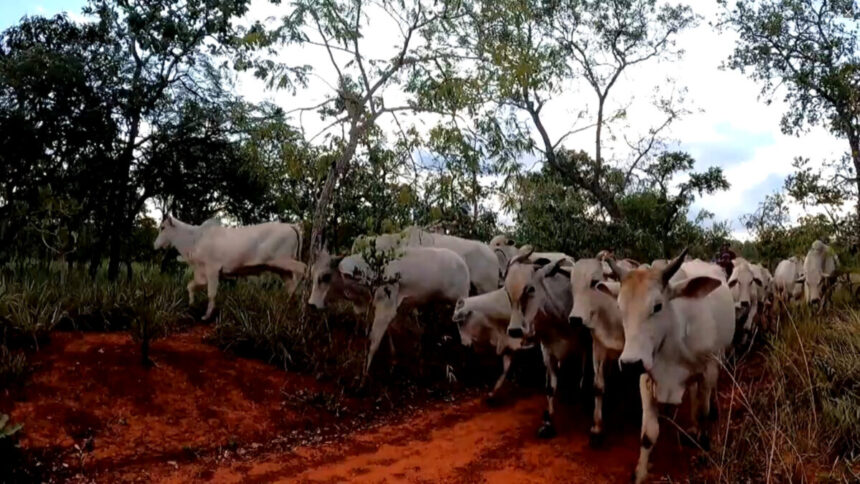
x=203 y=415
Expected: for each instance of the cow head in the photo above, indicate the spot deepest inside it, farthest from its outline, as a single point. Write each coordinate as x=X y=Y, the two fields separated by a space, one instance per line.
x=537 y=291
x=324 y=273
x=819 y=265
x=745 y=287
x=165 y=232
x=473 y=326
x=645 y=310
x=505 y=249
x=588 y=301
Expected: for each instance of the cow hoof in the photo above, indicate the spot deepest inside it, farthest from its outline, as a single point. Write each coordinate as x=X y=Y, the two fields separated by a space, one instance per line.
x=546 y=431
x=595 y=440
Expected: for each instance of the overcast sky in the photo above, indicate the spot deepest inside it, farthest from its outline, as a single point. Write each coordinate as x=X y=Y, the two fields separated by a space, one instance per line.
x=729 y=126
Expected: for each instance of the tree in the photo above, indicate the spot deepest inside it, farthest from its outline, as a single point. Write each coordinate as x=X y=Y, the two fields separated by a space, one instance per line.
x=56 y=129
x=806 y=50
x=528 y=50
x=162 y=52
x=357 y=100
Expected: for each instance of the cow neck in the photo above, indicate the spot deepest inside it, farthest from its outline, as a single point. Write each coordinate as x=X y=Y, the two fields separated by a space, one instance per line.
x=185 y=237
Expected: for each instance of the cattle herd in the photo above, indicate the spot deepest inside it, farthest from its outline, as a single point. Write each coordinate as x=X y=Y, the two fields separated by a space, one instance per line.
x=670 y=321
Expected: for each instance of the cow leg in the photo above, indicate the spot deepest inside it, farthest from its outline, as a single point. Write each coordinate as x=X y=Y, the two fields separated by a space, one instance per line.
x=547 y=429
x=691 y=436
x=650 y=427
x=507 y=358
x=376 y=333
x=291 y=270
x=211 y=292
x=708 y=410
x=198 y=281
x=598 y=357
x=391 y=351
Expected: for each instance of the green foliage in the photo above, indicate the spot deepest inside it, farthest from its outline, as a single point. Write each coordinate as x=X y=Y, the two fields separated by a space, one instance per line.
x=806 y=47
x=267 y=324
x=654 y=223
x=35 y=299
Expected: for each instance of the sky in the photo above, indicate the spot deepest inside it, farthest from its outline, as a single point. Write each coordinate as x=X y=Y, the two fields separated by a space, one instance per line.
x=729 y=125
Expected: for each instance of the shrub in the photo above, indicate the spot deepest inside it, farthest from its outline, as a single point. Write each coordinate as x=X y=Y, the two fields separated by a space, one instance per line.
x=13 y=367
x=794 y=408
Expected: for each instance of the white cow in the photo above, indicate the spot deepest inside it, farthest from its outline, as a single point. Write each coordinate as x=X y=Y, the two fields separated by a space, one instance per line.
x=483 y=322
x=819 y=271
x=627 y=264
x=214 y=251
x=540 y=306
x=505 y=250
x=599 y=313
x=675 y=333
x=419 y=276
x=483 y=266
x=765 y=295
x=787 y=283
x=340 y=277
x=746 y=287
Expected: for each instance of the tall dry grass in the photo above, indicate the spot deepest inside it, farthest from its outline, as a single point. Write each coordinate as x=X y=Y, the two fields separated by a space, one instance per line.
x=790 y=411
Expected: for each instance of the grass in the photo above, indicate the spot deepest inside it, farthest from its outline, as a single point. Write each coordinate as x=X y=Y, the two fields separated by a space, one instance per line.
x=36 y=299
x=792 y=409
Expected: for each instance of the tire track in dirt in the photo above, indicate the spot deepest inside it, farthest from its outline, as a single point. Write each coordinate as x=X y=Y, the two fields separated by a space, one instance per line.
x=454 y=443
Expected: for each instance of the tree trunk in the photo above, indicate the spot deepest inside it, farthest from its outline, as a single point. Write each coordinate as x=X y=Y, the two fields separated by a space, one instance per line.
x=321 y=210
x=854 y=142
x=598 y=134
x=123 y=220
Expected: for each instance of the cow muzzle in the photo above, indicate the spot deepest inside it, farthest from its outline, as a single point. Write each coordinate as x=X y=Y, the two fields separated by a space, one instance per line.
x=635 y=367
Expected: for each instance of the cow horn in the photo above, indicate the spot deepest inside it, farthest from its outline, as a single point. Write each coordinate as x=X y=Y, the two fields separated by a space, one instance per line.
x=620 y=272
x=556 y=267
x=525 y=252
x=673 y=267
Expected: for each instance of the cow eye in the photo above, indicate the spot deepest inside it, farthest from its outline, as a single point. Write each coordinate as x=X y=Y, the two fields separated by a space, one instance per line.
x=658 y=307
x=594 y=283
x=733 y=283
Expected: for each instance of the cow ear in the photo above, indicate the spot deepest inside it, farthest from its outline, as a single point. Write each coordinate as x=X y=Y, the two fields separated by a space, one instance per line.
x=609 y=288
x=696 y=287
x=169 y=220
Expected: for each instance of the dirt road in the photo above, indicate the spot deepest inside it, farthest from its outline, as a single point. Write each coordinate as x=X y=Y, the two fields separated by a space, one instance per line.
x=463 y=443
x=91 y=413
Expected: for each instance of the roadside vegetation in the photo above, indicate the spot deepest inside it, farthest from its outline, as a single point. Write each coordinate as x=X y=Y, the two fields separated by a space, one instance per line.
x=790 y=409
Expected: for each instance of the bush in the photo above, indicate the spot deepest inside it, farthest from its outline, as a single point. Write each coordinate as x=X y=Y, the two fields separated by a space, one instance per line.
x=13 y=367
x=795 y=407
x=270 y=325
x=35 y=299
